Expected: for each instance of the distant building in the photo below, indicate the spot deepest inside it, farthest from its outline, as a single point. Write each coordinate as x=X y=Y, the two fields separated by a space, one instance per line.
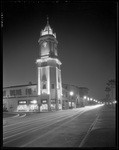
x=49 y=93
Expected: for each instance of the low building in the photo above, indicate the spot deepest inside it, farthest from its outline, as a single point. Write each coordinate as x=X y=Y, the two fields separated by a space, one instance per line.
x=25 y=98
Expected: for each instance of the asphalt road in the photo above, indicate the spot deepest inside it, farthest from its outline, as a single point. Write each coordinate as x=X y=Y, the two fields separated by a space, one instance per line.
x=6 y=114
x=66 y=128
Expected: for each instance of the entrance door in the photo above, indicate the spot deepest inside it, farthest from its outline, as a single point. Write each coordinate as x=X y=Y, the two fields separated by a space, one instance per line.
x=33 y=107
x=53 y=106
x=44 y=107
x=22 y=108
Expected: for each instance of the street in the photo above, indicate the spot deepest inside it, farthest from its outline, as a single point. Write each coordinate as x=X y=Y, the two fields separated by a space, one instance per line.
x=66 y=128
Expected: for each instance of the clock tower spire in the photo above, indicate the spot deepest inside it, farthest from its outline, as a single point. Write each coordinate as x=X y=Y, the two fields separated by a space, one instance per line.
x=47 y=20
x=49 y=72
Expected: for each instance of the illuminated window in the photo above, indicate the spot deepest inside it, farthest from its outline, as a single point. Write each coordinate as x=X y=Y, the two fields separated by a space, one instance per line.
x=44 y=101
x=22 y=102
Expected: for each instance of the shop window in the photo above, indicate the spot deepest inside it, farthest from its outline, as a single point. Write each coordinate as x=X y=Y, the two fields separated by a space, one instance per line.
x=12 y=93
x=18 y=92
x=28 y=91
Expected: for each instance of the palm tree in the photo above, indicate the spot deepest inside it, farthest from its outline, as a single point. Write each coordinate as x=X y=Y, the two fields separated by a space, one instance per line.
x=110 y=88
x=107 y=89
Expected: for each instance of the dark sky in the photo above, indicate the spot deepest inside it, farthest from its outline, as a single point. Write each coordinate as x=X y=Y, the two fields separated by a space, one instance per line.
x=86 y=32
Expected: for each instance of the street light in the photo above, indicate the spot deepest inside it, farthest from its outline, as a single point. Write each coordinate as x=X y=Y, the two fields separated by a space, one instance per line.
x=84 y=97
x=71 y=94
x=91 y=99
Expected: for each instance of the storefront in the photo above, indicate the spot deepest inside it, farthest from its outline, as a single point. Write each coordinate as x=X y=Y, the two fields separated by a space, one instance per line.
x=72 y=105
x=33 y=106
x=27 y=106
x=53 y=104
x=44 y=105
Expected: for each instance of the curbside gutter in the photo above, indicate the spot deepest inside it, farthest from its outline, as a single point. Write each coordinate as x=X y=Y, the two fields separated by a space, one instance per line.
x=89 y=131
x=22 y=116
x=4 y=122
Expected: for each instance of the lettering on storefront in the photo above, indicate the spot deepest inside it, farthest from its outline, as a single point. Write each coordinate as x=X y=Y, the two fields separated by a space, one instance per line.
x=44 y=101
x=21 y=102
x=53 y=101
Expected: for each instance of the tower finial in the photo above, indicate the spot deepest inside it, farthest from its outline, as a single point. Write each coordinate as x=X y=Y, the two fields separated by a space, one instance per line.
x=47 y=20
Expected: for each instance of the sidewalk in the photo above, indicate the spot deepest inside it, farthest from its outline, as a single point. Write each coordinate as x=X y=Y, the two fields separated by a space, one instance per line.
x=103 y=133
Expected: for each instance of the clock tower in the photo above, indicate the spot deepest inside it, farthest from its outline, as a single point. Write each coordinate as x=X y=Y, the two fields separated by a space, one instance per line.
x=49 y=72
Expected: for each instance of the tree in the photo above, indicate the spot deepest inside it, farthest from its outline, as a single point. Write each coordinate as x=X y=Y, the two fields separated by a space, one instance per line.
x=110 y=88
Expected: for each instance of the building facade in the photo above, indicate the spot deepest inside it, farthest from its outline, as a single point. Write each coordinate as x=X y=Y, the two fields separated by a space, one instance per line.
x=25 y=98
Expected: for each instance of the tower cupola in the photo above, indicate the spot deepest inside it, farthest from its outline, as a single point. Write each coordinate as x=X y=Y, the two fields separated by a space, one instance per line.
x=48 y=30
x=47 y=42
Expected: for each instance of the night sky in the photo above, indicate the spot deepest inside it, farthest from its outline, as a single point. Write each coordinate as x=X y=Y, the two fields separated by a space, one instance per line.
x=86 y=34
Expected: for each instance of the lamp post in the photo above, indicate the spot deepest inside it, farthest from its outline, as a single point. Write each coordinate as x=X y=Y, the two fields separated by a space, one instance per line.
x=71 y=94
x=85 y=97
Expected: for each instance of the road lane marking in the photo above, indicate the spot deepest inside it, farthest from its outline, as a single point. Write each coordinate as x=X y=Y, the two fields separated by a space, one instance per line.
x=77 y=112
x=35 y=129
x=77 y=115
x=60 y=117
x=27 y=121
x=54 y=128
x=89 y=130
x=32 y=122
x=40 y=119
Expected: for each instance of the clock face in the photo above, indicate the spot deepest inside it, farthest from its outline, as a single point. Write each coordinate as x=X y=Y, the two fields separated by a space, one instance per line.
x=44 y=49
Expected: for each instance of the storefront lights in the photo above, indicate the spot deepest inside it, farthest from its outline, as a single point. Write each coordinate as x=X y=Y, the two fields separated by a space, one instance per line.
x=71 y=93
x=34 y=102
x=84 y=97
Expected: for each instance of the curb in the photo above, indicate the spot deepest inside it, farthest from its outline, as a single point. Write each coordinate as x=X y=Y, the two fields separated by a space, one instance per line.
x=89 y=131
x=4 y=122
x=14 y=116
x=22 y=116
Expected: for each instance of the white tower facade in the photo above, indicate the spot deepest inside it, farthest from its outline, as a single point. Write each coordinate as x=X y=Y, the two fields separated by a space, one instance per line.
x=49 y=72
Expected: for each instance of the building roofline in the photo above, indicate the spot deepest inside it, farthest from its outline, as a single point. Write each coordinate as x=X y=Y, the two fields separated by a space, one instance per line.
x=36 y=84
x=75 y=86
x=19 y=86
